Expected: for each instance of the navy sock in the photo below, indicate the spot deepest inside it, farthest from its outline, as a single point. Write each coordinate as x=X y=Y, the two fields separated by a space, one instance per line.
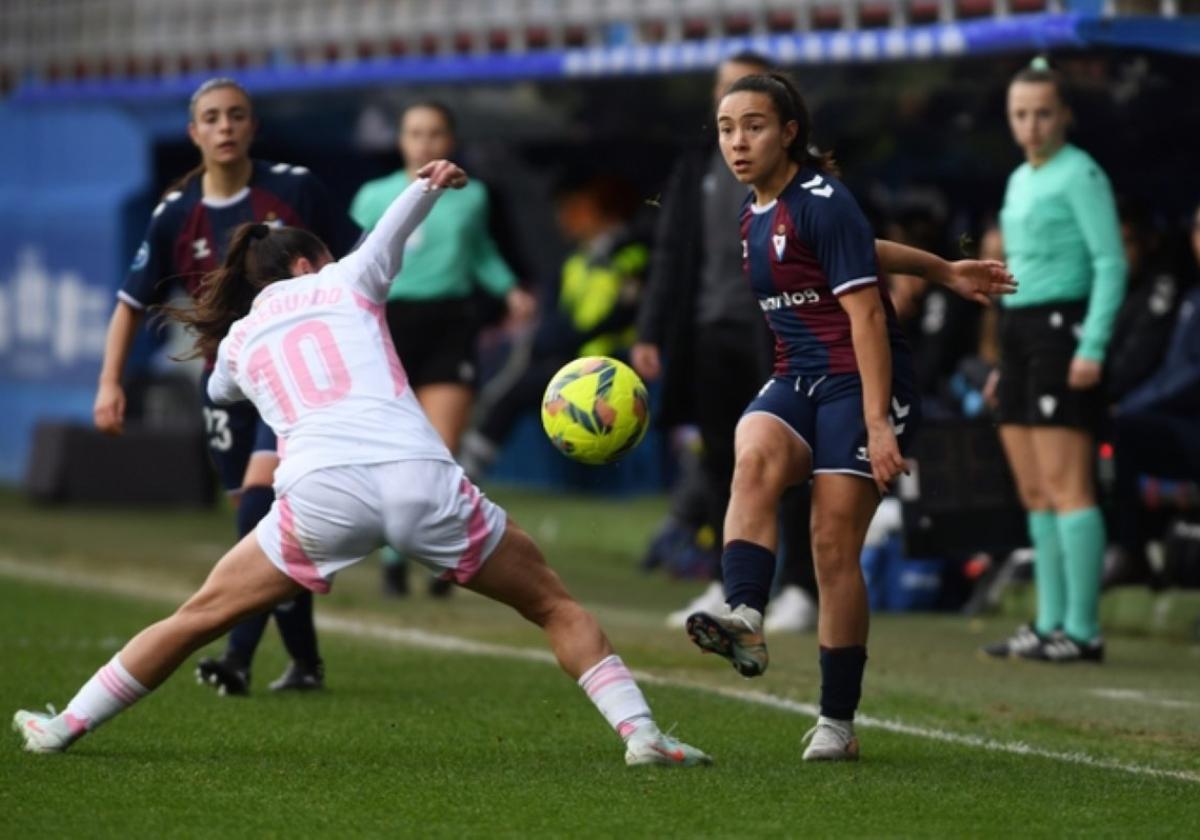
x=295 y=622
x=841 y=680
x=244 y=639
x=748 y=569
x=255 y=503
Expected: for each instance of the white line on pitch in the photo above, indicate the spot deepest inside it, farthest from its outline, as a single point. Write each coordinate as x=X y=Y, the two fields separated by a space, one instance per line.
x=1132 y=695
x=454 y=644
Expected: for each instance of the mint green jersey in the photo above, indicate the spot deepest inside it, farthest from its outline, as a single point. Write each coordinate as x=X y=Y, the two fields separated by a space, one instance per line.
x=450 y=252
x=1063 y=242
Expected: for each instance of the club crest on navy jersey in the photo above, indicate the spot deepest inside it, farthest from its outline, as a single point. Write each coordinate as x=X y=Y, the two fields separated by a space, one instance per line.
x=780 y=242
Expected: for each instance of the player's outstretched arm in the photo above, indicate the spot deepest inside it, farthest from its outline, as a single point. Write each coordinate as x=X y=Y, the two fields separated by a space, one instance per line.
x=975 y=280
x=374 y=263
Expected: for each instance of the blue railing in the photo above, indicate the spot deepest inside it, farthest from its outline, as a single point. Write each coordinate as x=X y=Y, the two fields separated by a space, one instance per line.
x=1049 y=31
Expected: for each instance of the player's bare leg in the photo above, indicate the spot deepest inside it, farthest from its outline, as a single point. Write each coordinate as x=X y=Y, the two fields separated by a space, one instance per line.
x=1048 y=567
x=243 y=583
x=842 y=509
x=769 y=458
x=516 y=574
x=448 y=407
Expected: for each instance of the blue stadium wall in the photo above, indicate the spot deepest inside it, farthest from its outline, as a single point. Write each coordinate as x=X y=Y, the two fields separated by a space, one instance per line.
x=72 y=186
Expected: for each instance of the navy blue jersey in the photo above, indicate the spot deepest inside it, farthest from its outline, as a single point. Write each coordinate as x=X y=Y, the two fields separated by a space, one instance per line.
x=801 y=252
x=188 y=234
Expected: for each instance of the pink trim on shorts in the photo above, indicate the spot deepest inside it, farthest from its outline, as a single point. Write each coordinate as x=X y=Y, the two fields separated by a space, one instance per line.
x=300 y=566
x=477 y=534
x=399 y=377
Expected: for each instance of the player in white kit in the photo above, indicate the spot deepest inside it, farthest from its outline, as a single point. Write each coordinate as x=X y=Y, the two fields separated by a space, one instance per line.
x=304 y=338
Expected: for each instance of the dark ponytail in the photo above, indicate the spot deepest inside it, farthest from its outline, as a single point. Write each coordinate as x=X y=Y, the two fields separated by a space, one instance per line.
x=258 y=256
x=790 y=106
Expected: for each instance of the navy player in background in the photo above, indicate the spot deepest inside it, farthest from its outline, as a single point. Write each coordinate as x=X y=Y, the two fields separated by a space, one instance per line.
x=841 y=405
x=187 y=237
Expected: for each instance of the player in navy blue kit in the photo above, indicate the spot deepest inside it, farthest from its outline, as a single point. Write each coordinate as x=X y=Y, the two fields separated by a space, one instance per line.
x=187 y=237
x=841 y=405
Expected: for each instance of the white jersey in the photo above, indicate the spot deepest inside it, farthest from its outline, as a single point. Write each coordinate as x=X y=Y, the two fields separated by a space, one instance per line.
x=315 y=357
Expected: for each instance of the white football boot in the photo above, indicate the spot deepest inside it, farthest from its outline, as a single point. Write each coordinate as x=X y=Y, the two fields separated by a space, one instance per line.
x=831 y=740
x=650 y=746
x=42 y=733
x=736 y=635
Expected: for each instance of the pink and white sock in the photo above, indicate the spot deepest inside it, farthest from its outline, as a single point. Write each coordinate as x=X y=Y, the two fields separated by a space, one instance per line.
x=111 y=690
x=612 y=689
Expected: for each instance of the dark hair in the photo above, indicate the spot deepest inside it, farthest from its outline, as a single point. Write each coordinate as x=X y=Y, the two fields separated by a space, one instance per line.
x=1039 y=71
x=750 y=57
x=789 y=104
x=435 y=105
x=216 y=83
x=258 y=255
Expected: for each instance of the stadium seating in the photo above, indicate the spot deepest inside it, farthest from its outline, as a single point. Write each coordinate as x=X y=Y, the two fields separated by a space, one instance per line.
x=79 y=39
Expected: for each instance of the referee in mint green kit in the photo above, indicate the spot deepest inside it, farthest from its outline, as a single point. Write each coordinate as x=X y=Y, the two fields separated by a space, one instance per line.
x=1063 y=244
x=429 y=311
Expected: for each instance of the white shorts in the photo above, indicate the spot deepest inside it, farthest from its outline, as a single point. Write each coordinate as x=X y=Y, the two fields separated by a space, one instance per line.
x=428 y=510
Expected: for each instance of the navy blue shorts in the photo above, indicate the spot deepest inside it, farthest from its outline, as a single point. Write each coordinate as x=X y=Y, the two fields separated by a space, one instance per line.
x=826 y=412
x=234 y=432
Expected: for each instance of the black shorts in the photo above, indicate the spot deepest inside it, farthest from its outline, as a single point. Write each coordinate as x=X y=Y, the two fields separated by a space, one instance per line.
x=1037 y=344
x=435 y=340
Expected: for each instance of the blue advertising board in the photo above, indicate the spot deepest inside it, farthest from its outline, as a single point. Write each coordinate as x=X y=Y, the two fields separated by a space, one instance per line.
x=67 y=179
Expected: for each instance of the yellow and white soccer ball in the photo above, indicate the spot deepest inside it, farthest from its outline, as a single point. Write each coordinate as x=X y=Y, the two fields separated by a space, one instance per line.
x=595 y=410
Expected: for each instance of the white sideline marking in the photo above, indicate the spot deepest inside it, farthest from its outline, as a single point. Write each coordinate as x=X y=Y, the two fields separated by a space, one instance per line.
x=1132 y=695
x=454 y=644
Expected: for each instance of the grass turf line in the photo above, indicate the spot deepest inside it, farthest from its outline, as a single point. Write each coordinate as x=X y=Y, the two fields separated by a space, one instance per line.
x=421 y=743
x=922 y=670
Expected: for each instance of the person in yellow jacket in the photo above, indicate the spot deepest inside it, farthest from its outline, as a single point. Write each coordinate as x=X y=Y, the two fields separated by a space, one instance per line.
x=598 y=296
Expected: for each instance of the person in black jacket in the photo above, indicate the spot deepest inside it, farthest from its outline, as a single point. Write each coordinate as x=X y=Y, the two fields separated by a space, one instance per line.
x=1143 y=326
x=1155 y=422
x=702 y=330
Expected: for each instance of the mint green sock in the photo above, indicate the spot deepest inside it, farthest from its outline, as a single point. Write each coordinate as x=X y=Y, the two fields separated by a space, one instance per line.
x=1048 y=573
x=1081 y=533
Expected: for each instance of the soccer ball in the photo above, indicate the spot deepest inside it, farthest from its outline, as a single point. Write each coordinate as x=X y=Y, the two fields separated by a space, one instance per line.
x=595 y=410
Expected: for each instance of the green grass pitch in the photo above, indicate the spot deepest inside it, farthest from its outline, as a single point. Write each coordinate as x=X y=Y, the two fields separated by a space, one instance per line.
x=414 y=741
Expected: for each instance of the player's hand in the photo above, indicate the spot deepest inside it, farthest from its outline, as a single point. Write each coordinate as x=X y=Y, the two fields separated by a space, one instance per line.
x=443 y=174
x=1084 y=374
x=108 y=412
x=521 y=305
x=979 y=280
x=646 y=360
x=884 y=451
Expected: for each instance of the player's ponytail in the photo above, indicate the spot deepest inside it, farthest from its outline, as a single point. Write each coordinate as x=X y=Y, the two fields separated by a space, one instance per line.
x=258 y=256
x=790 y=106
